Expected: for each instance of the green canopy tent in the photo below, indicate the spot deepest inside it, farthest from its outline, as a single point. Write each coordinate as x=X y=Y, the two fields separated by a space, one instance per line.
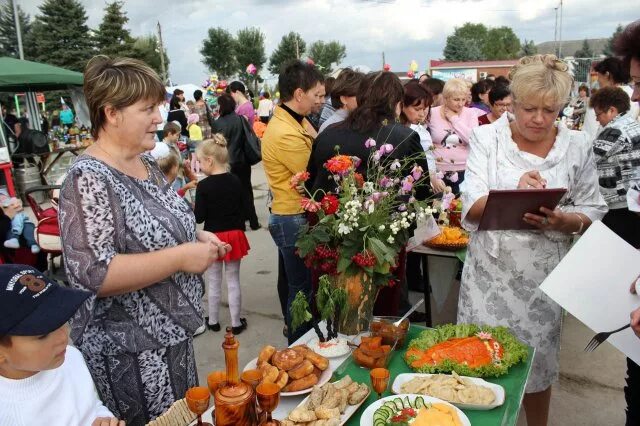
x=25 y=76
x=18 y=75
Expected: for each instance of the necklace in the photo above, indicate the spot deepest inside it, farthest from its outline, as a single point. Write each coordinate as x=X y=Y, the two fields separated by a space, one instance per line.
x=119 y=163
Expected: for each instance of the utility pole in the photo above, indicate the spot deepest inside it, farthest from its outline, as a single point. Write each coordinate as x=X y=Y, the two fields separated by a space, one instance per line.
x=297 y=49
x=383 y=60
x=163 y=70
x=560 y=32
x=555 y=33
x=16 y=20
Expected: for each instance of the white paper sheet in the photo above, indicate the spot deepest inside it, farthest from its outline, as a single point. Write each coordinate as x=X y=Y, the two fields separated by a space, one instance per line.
x=592 y=283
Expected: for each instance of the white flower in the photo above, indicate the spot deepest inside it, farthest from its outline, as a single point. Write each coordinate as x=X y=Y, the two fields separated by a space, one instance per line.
x=390 y=240
x=343 y=229
x=368 y=187
x=369 y=206
x=395 y=165
x=381 y=228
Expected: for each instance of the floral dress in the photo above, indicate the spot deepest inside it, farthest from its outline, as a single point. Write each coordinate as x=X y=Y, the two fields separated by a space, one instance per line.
x=138 y=345
x=504 y=269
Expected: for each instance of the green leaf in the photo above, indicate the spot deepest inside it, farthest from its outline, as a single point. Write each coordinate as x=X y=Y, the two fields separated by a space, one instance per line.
x=343 y=264
x=299 y=311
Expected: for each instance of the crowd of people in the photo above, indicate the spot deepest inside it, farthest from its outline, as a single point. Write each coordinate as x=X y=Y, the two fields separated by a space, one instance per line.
x=122 y=211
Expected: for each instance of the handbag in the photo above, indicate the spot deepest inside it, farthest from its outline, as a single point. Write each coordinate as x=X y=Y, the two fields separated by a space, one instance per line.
x=251 y=148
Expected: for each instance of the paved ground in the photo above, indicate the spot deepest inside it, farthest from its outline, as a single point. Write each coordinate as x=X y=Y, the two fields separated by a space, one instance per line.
x=589 y=391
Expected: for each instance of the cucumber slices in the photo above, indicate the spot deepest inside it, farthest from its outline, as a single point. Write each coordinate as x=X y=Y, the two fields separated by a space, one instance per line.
x=391 y=408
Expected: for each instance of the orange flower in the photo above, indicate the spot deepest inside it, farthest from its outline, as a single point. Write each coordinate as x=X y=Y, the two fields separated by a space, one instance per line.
x=339 y=164
x=359 y=179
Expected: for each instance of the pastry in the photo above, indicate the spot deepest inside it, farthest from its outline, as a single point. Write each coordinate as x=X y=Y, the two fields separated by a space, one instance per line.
x=304 y=369
x=356 y=397
x=282 y=380
x=300 y=415
x=301 y=384
x=265 y=355
x=327 y=413
x=342 y=383
x=269 y=373
x=318 y=360
x=287 y=359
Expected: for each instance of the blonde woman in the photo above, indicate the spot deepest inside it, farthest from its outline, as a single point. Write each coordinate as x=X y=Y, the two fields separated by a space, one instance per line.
x=450 y=126
x=503 y=269
x=132 y=242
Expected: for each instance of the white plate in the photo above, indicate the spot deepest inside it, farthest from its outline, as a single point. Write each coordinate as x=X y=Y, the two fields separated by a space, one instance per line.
x=315 y=341
x=324 y=378
x=348 y=412
x=497 y=390
x=367 y=416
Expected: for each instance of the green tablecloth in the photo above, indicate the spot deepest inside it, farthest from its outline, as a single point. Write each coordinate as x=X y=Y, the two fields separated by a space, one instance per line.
x=507 y=414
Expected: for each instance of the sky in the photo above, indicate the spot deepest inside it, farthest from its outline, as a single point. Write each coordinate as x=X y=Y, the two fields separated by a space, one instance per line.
x=404 y=30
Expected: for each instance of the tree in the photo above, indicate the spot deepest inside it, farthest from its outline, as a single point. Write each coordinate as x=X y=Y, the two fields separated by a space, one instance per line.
x=112 y=38
x=501 y=43
x=528 y=48
x=147 y=49
x=585 y=51
x=250 y=50
x=291 y=47
x=8 y=37
x=466 y=43
x=324 y=55
x=218 y=51
x=60 y=36
x=608 y=48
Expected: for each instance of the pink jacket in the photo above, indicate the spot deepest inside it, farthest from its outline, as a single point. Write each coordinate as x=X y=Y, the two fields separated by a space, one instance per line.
x=451 y=140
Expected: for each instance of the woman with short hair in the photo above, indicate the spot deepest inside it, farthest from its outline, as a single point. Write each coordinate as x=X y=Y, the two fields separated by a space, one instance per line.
x=503 y=269
x=130 y=240
x=500 y=102
x=450 y=126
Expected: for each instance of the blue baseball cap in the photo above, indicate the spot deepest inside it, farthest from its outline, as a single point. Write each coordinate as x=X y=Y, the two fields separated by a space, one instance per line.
x=32 y=304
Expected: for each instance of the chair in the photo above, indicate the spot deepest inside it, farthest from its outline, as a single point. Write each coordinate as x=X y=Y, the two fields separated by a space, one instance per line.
x=47 y=232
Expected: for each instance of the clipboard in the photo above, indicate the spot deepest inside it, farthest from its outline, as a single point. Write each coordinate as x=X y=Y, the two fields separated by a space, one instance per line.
x=506 y=207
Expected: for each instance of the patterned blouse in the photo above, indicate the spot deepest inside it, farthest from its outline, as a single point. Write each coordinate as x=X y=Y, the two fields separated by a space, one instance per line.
x=104 y=212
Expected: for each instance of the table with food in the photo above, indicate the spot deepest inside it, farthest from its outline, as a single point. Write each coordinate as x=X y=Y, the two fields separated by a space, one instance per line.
x=393 y=374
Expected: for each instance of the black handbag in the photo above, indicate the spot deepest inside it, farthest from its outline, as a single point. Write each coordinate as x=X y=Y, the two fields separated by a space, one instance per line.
x=251 y=148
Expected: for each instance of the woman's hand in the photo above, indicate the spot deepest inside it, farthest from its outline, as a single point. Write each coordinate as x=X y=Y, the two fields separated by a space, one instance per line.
x=197 y=257
x=531 y=180
x=448 y=114
x=188 y=173
x=635 y=322
x=210 y=237
x=107 y=421
x=190 y=185
x=438 y=185
x=555 y=220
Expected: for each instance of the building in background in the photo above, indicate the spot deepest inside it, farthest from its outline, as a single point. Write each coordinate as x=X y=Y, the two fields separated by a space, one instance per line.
x=471 y=70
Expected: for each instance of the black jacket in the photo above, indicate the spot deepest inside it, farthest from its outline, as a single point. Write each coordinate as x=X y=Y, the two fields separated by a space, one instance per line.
x=179 y=116
x=405 y=141
x=231 y=128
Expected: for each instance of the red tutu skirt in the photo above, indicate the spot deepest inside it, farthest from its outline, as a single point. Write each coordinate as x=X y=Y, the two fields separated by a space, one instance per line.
x=238 y=241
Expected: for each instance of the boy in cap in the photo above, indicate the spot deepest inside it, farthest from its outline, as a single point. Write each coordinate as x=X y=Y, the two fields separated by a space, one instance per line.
x=42 y=379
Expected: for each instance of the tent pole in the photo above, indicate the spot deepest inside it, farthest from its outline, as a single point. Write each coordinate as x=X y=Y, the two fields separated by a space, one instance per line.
x=16 y=19
x=17 y=102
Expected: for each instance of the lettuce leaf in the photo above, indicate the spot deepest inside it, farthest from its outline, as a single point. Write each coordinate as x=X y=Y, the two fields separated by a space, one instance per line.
x=514 y=350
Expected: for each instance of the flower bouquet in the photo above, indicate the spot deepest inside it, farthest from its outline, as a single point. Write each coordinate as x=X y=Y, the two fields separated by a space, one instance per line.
x=362 y=226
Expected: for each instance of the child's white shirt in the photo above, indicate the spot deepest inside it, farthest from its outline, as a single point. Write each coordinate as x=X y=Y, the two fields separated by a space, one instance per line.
x=65 y=396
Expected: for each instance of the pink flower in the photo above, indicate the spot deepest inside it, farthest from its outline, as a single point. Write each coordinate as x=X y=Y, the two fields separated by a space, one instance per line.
x=376 y=156
x=377 y=196
x=395 y=165
x=385 y=149
x=309 y=205
x=298 y=178
x=447 y=199
x=356 y=162
x=385 y=182
x=454 y=177
x=402 y=208
x=483 y=335
x=370 y=143
x=407 y=185
x=416 y=172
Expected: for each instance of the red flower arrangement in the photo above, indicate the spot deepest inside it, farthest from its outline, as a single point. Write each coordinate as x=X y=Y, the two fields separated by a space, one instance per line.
x=324 y=259
x=329 y=204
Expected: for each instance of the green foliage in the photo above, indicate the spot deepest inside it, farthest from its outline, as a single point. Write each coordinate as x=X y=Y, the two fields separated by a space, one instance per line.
x=324 y=55
x=608 y=49
x=60 y=35
x=147 y=49
x=528 y=48
x=300 y=311
x=112 y=38
x=250 y=50
x=501 y=43
x=8 y=37
x=473 y=42
x=286 y=51
x=218 y=51
x=514 y=350
x=585 y=51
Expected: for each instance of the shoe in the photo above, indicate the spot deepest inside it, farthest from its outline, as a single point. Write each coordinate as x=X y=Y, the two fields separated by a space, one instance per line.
x=35 y=249
x=255 y=226
x=417 y=317
x=239 y=329
x=12 y=243
x=200 y=330
x=212 y=327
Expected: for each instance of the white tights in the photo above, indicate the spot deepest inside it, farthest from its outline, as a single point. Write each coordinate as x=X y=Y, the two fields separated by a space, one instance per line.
x=213 y=278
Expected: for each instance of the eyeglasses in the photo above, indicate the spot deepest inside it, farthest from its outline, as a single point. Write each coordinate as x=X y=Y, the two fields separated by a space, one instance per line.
x=502 y=105
x=599 y=113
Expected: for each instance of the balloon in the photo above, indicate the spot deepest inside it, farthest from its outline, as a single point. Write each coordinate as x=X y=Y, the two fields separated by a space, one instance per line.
x=251 y=69
x=386 y=67
x=277 y=94
x=223 y=84
x=310 y=61
x=413 y=66
x=411 y=74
